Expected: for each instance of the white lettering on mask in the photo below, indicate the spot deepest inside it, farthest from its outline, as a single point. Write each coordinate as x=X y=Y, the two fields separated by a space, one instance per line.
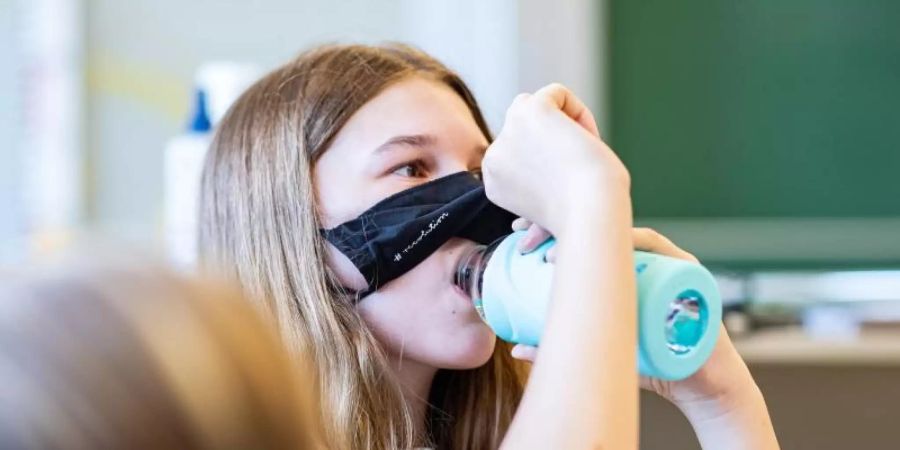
x=431 y=227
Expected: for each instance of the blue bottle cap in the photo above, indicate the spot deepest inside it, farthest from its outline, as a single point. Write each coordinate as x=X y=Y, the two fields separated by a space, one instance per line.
x=200 y=122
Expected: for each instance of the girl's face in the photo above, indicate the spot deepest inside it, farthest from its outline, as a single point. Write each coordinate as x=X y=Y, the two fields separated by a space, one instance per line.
x=413 y=132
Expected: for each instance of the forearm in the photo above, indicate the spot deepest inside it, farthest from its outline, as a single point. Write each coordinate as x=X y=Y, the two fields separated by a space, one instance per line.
x=583 y=389
x=738 y=421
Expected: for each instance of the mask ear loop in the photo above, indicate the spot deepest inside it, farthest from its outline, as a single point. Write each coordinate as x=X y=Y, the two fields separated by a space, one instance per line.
x=339 y=289
x=370 y=288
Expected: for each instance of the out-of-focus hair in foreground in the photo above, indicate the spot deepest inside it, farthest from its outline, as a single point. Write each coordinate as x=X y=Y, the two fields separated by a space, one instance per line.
x=113 y=357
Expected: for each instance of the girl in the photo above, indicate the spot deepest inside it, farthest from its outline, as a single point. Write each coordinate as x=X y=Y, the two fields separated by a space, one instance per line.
x=340 y=189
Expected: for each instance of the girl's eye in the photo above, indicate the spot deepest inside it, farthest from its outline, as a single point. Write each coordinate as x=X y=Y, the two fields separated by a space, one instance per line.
x=410 y=170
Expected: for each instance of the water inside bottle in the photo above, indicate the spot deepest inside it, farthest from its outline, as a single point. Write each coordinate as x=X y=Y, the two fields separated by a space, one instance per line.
x=685 y=322
x=470 y=274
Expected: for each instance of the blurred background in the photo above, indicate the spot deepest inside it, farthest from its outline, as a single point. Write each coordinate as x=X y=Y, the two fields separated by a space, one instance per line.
x=761 y=136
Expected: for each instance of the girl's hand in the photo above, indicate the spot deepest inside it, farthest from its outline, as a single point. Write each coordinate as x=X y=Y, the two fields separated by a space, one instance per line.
x=548 y=162
x=721 y=400
x=719 y=396
x=722 y=374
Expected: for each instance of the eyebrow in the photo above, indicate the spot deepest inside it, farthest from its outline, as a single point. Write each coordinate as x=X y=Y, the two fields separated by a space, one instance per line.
x=412 y=140
x=419 y=141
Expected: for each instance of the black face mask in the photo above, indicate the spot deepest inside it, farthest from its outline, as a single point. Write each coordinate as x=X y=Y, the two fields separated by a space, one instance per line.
x=401 y=231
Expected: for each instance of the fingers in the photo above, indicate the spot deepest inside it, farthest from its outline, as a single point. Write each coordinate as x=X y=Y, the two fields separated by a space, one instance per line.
x=534 y=237
x=561 y=97
x=645 y=383
x=648 y=240
x=521 y=97
x=645 y=239
x=661 y=387
x=524 y=352
x=550 y=256
x=516 y=103
x=521 y=224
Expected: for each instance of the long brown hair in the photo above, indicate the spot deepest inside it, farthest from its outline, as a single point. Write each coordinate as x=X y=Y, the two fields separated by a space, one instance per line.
x=136 y=357
x=259 y=222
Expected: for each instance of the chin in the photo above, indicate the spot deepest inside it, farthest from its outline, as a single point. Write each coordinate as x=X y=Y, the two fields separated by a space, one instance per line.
x=473 y=350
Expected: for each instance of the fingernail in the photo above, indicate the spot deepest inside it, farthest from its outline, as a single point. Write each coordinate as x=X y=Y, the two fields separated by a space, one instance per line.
x=524 y=245
x=520 y=246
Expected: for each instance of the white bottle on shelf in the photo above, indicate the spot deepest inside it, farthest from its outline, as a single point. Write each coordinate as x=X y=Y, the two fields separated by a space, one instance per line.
x=184 y=156
x=218 y=85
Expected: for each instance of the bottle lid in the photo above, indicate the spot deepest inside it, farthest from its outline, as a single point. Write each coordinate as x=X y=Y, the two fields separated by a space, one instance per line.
x=223 y=82
x=200 y=118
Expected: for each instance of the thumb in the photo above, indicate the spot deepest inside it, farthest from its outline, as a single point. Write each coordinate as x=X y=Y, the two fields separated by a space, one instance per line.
x=524 y=352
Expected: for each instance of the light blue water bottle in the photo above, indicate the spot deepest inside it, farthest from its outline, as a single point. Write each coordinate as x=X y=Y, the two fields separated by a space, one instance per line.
x=679 y=305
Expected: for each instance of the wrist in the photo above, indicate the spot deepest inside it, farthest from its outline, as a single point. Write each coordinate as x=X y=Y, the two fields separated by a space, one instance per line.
x=592 y=205
x=733 y=402
x=738 y=420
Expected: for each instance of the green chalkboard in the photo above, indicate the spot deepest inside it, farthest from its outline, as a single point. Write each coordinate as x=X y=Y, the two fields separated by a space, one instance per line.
x=766 y=108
